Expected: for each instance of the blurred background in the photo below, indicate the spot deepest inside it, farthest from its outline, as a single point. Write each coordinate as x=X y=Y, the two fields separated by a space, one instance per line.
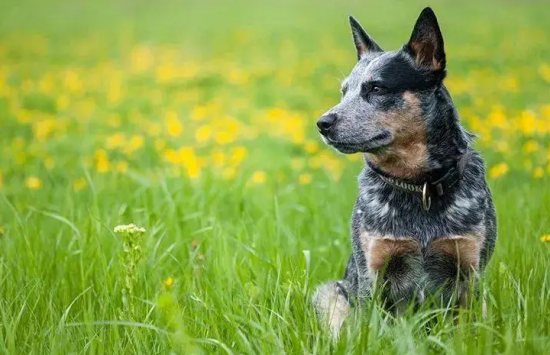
x=196 y=120
x=194 y=88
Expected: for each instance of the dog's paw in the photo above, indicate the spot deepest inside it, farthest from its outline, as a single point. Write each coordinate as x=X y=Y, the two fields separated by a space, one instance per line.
x=332 y=306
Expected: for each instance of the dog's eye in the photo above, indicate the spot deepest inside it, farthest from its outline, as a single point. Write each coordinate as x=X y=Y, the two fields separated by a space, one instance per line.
x=372 y=88
x=377 y=89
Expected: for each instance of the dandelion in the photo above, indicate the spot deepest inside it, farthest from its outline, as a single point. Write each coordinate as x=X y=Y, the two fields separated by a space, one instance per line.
x=259 y=177
x=135 y=143
x=173 y=124
x=102 y=161
x=33 y=183
x=168 y=283
x=202 y=134
x=304 y=179
x=498 y=170
x=224 y=137
x=530 y=146
x=544 y=71
x=311 y=147
x=527 y=122
x=62 y=102
x=238 y=155
x=538 y=172
x=545 y=238
x=121 y=166
x=115 y=141
x=199 y=113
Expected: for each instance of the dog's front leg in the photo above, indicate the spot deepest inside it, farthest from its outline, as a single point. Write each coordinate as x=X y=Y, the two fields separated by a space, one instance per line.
x=394 y=265
x=450 y=264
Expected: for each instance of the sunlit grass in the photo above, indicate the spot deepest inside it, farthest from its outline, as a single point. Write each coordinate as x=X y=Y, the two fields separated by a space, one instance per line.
x=198 y=124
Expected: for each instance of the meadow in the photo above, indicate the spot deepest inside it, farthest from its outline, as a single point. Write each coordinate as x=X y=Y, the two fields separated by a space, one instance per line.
x=196 y=121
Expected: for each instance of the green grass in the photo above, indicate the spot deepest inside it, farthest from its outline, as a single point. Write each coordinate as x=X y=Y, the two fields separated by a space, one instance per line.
x=245 y=258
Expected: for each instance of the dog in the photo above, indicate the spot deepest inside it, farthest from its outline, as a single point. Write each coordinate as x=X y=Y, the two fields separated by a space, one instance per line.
x=424 y=223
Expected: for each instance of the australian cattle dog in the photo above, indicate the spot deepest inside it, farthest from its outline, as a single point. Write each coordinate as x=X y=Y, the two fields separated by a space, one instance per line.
x=424 y=222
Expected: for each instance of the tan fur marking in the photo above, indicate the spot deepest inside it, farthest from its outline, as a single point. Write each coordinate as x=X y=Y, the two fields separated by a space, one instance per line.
x=407 y=156
x=379 y=249
x=424 y=55
x=465 y=249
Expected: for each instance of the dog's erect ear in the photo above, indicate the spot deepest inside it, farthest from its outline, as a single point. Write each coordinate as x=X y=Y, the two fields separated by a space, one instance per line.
x=426 y=43
x=362 y=40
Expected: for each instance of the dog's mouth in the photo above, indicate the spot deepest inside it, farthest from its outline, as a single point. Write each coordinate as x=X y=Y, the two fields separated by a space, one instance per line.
x=377 y=141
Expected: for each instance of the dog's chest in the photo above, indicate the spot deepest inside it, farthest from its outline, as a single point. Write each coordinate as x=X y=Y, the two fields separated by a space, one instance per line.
x=401 y=215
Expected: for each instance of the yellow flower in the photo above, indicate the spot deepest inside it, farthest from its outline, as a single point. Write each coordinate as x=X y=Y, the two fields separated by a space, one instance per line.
x=545 y=238
x=173 y=124
x=238 y=155
x=62 y=102
x=538 y=173
x=544 y=71
x=102 y=161
x=530 y=146
x=141 y=58
x=72 y=81
x=135 y=143
x=202 y=134
x=498 y=170
x=311 y=147
x=121 y=166
x=115 y=141
x=259 y=177
x=225 y=137
x=198 y=113
x=79 y=184
x=33 y=183
x=304 y=179
x=168 y=283
x=497 y=117
x=528 y=122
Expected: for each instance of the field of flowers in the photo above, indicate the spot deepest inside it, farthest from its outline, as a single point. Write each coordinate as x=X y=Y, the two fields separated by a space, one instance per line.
x=197 y=122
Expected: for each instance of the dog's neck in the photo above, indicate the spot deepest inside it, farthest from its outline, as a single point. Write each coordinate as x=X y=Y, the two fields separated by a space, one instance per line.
x=441 y=145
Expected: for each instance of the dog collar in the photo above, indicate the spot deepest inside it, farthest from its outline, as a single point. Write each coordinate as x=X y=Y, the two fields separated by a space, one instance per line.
x=437 y=184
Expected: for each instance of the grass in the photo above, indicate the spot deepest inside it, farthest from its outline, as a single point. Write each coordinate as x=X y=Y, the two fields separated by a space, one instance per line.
x=196 y=121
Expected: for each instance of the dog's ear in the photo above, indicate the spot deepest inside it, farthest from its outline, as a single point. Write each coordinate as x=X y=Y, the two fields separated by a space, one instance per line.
x=362 y=40
x=426 y=43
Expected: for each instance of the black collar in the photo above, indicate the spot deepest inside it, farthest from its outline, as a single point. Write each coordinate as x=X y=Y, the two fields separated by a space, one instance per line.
x=435 y=184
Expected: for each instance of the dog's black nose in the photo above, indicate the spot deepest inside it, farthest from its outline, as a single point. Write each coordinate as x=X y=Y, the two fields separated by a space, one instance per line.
x=326 y=122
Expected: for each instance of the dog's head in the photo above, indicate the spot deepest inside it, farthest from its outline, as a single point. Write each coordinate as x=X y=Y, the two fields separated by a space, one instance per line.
x=386 y=97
